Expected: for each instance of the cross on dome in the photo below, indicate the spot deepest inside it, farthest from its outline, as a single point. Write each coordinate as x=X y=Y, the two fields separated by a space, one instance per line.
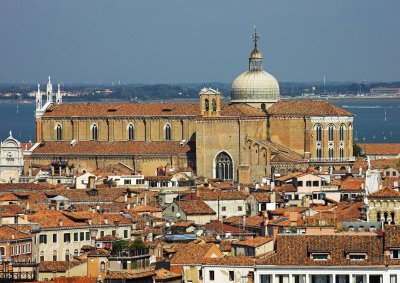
x=255 y=36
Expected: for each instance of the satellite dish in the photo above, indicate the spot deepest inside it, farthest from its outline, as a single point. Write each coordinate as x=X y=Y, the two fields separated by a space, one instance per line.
x=218 y=237
x=178 y=215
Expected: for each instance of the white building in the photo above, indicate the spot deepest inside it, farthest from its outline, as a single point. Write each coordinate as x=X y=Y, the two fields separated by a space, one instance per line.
x=11 y=160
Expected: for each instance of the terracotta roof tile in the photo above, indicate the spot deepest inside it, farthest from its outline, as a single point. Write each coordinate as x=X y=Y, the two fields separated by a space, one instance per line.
x=112 y=148
x=208 y=195
x=145 y=110
x=57 y=266
x=256 y=242
x=195 y=207
x=380 y=148
x=306 y=108
x=385 y=193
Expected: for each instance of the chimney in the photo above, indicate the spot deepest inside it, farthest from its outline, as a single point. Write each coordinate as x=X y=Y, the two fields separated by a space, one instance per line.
x=272 y=185
x=105 y=220
x=293 y=218
x=272 y=198
x=197 y=192
x=60 y=222
x=128 y=206
x=145 y=198
x=126 y=197
x=90 y=221
x=12 y=236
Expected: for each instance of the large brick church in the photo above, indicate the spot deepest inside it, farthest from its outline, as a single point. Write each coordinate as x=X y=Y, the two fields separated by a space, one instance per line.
x=244 y=140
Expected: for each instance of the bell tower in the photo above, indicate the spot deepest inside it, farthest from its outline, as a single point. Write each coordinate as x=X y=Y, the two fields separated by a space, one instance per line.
x=210 y=102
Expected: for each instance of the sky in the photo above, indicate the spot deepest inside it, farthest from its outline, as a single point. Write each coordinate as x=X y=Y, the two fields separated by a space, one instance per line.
x=181 y=41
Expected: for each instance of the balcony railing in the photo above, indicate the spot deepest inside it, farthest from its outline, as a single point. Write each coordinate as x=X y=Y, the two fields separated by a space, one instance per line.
x=345 y=159
x=18 y=276
x=132 y=253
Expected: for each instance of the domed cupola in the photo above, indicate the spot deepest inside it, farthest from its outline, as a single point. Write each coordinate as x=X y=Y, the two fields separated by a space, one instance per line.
x=255 y=86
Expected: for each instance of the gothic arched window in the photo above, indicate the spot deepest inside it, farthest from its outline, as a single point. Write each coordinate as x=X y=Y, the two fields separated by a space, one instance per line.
x=330 y=132
x=318 y=139
x=167 y=129
x=58 y=132
x=223 y=166
x=341 y=133
x=214 y=104
x=131 y=132
x=94 y=132
x=206 y=105
x=54 y=255
x=67 y=255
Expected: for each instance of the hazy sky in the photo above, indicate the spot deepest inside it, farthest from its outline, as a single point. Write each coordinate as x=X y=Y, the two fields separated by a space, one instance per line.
x=197 y=41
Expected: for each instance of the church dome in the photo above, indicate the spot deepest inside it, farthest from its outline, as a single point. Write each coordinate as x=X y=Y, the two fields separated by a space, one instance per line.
x=255 y=85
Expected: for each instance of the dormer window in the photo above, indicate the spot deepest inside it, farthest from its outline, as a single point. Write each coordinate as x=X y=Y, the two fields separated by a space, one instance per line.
x=357 y=256
x=319 y=256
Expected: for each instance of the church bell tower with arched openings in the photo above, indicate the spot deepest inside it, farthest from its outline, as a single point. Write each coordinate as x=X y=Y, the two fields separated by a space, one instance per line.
x=210 y=102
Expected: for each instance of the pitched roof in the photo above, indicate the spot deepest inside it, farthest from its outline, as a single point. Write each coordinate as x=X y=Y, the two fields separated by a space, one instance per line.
x=296 y=250
x=208 y=195
x=385 y=193
x=195 y=207
x=380 y=148
x=221 y=228
x=8 y=233
x=146 y=110
x=112 y=148
x=57 y=266
x=197 y=254
x=306 y=108
x=254 y=243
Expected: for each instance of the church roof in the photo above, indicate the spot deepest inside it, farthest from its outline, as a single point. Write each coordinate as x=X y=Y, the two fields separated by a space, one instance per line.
x=111 y=148
x=146 y=109
x=306 y=108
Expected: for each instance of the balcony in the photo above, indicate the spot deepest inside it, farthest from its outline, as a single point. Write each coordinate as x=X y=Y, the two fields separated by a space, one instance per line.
x=131 y=254
x=326 y=160
x=17 y=276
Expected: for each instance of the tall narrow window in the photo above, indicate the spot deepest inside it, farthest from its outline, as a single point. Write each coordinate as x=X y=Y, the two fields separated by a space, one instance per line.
x=54 y=255
x=330 y=133
x=94 y=132
x=214 y=104
x=131 y=132
x=341 y=152
x=167 y=129
x=58 y=132
x=223 y=166
x=330 y=152
x=67 y=255
x=318 y=140
x=341 y=133
x=206 y=105
x=331 y=143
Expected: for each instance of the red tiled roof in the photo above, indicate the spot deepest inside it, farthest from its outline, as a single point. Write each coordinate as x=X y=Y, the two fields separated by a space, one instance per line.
x=145 y=110
x=385 y=193
x=111 y=148
x=380 y=148
x=195 y=207
x=7 y=232
x=256 y=242
x=306 y=108
x=208 y=195
x=296 y=250
x=57 y=266
x=221 y=228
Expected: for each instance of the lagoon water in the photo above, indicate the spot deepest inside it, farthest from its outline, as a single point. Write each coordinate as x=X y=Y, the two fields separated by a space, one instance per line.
x=370 y=124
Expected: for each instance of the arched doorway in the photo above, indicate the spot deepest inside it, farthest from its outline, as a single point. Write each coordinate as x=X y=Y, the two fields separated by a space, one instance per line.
x=223 y=166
